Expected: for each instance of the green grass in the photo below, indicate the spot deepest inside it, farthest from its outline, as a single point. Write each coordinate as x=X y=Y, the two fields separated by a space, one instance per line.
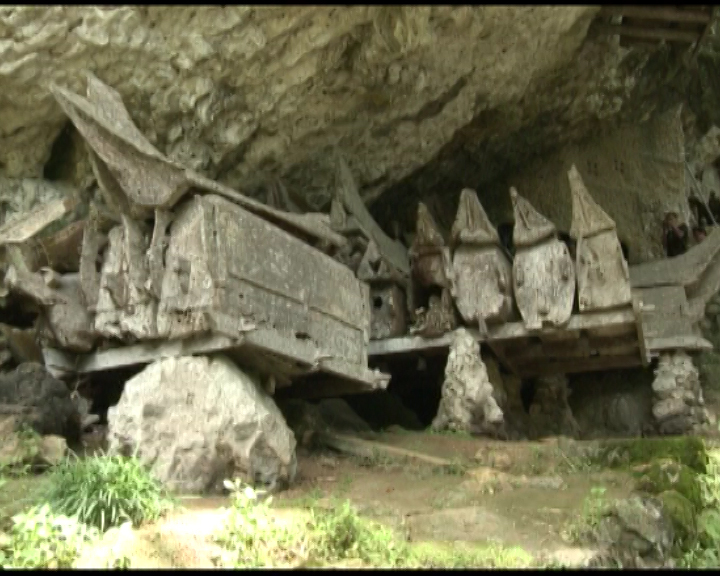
x=581 y=529
x=106 y=491
x=704 y=552
x=337 y=536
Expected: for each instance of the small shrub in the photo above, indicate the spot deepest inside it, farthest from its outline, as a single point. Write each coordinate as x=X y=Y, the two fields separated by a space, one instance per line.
x=593 y=509
x=253 y=538
x=41 y=539
x=107 y=491
x=705 y=551
x=340 y=534
x=432 y=555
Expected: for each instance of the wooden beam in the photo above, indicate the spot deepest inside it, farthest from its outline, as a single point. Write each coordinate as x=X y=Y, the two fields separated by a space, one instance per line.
x=661 y=13
x=577 y=366
x=650 y=34
x=677 y=343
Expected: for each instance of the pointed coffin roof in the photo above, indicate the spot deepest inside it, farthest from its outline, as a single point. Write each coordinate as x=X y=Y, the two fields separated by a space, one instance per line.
x=373 y=266
x=531 y=227
x=427 y=232
x=472 y=226
x=587 y=216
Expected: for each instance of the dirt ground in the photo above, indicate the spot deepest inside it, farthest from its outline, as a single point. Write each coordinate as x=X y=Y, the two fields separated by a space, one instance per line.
x=511 y=494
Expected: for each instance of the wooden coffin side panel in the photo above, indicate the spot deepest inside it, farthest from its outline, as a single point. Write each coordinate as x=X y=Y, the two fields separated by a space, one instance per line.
x=482 y=284
x=223 y=260
x=602 y=273
x=544 y=284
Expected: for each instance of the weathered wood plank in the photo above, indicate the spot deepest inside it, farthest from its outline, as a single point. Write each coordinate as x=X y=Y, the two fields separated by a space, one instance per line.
x=27 y=226
x=650 y=34
x=685 y=270
x=684 y=342
x=508 y=331
x=549 y=368
x=134 y=355
x=661 y=13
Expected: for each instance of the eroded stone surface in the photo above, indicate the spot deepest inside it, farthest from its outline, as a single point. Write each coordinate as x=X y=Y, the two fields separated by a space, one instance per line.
x=468 y=403
x=197 y=421
x=274 y=86
x=678 y=400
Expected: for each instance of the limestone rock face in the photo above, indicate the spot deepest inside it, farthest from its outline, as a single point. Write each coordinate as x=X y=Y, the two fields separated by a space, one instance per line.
x=467 y=402
x=228 y=89
x=196 y=421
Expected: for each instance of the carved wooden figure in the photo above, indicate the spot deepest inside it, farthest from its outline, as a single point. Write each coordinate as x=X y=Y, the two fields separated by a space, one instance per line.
x=387 y=298
x=603 y=278
x=429 y=256
x=482 y=274
x=543 y=271
x=437 y=319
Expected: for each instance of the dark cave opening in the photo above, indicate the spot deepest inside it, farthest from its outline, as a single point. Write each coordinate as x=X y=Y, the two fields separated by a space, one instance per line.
x=61 y=154
x=412 y=398
x=104 y=390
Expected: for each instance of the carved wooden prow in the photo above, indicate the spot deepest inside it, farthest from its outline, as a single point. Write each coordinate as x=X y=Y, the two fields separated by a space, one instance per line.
x=482 y=275
x=543 y=271
x=603 y=279
x=346 y=192
x=277 y=196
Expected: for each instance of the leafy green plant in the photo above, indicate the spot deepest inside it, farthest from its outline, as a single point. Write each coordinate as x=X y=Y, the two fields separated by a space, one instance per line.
x=254 y=538
x=339 y=533
x=106 y=491
x=705 y=552
x=41 y=539
x=593 y=509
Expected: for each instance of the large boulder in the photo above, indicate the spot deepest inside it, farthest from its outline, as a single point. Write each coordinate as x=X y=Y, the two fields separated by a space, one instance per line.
x=44 y=401
x=195 y=421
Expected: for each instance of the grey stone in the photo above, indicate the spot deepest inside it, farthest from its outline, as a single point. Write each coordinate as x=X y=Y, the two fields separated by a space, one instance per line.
x=669 y=408
x=51 y=409
x=52 y=450
x=467 y=401
x=196 y=421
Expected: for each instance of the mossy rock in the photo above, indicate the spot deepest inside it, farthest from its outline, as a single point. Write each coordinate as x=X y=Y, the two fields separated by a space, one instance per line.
x=666 y=475
x=708 y=523
x=688 y=450
x=681 y=513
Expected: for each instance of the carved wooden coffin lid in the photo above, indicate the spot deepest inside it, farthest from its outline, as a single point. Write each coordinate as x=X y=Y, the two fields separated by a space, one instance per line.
x=531 y=227
x=427 y=233
x=472 y=226
x=373 y=267
x=588 y=218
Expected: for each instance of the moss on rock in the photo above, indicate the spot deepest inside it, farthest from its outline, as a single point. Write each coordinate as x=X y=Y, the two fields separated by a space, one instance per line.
x=682 y=515
x=688 y=450
x=666 y=475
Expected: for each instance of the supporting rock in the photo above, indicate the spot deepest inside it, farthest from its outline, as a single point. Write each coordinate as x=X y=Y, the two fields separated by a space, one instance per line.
x=467 y=402
x=196 y=421
x=550 y=413
x=678 y=400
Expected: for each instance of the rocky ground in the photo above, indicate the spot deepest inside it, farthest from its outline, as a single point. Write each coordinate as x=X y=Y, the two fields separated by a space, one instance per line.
x=512 y=504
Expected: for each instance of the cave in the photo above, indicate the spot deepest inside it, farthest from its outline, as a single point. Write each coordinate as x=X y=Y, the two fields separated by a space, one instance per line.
x=515 y=97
